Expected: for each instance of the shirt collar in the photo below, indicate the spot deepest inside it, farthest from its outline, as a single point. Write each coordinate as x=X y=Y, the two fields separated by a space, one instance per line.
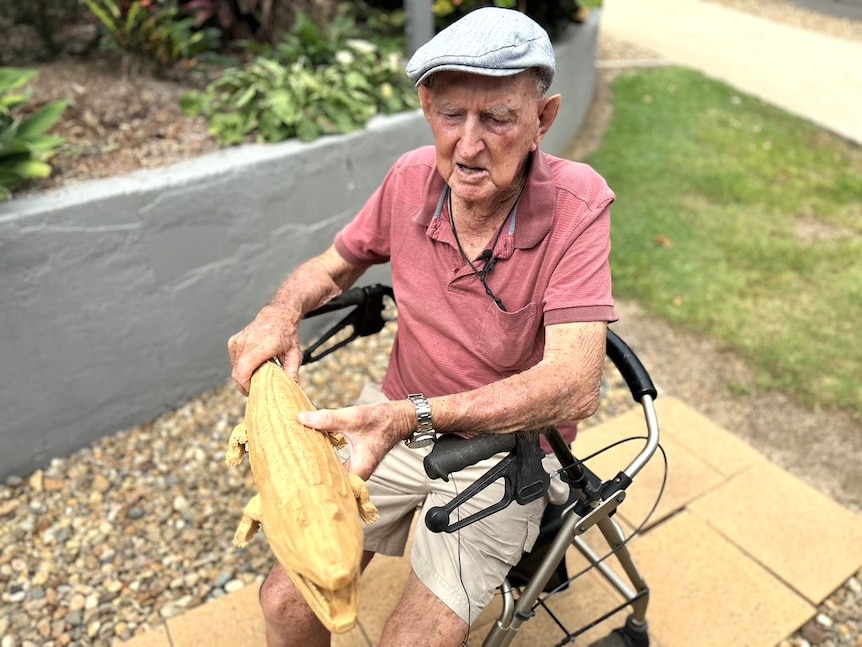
x=535 y=211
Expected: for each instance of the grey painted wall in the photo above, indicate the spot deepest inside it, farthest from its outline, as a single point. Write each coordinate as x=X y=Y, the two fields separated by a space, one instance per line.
x=117 y=297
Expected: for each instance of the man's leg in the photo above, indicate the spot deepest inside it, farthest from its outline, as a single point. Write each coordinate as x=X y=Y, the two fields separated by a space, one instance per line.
x=289 y=619
x=422 y=619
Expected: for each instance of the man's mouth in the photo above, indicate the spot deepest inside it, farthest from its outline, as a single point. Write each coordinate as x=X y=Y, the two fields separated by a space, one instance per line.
x=470 y=170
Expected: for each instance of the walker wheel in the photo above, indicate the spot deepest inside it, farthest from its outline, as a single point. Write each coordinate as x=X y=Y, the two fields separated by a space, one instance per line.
x=633 y=634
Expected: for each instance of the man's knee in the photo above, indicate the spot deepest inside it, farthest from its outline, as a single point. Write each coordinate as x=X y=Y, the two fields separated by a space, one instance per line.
x=280 y=601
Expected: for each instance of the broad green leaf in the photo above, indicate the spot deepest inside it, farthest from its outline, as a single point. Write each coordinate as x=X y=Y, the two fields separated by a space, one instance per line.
x=270 y=67
x=271 y=128
x=245 y=97
x=306 y=129
x=228 y=128
x=45 y=144
x=13 y=100
x=12 y=149
x=284 y=106
x=107 y=19
x=191 y=103
x=14 y=77
x=31 y=169
x=354 y=79
x=43 y=120
x=343 y=120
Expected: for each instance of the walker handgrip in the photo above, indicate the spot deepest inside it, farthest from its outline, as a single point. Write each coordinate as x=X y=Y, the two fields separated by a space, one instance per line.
x=353 y=297
x=630 y=367
x=452 y=453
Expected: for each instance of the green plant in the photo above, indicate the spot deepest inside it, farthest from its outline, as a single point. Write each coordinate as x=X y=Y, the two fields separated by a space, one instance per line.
x=25 y=148
x=553 y=15
x=320 y=82
x=153 y=34
x=443 y=8
x=247 y=19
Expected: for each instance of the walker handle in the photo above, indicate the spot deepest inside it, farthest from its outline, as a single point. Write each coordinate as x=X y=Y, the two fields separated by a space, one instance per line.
x=630 y=367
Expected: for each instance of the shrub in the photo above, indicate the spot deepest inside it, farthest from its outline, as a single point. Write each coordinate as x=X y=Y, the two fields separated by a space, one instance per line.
x=261 y=21
x=318 y=81
x=553 y=15
x=25 y=148
x=153 y=35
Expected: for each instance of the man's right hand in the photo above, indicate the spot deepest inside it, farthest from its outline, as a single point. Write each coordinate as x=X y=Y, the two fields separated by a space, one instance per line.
x=273 y=333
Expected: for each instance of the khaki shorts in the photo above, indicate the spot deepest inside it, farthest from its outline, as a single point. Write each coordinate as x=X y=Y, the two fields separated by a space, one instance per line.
x=463 y=568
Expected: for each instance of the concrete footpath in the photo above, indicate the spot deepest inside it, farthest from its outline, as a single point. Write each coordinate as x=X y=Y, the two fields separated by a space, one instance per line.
x=809 y=74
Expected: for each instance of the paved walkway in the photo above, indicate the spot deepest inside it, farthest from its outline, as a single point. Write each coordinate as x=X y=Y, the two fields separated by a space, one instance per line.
x=740 y=552
x=807 y=73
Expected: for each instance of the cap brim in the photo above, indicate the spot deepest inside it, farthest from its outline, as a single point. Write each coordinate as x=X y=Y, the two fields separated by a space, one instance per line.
x=470 y=69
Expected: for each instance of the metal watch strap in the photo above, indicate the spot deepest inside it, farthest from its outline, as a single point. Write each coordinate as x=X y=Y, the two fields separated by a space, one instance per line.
x=424 y=433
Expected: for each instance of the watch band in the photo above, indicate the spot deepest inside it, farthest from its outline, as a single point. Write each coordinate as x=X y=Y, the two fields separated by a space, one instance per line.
x=424 y=433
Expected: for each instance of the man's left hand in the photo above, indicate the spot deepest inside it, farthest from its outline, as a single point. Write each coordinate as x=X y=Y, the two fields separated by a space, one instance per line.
x=370 y=430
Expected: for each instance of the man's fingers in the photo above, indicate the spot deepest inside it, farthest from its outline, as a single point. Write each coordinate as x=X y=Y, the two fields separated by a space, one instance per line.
x=291 y=361
x=356 y=465
x=321 y=420
x=241 y=380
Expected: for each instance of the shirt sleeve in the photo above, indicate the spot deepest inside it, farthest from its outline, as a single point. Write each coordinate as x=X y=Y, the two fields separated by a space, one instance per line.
x=580 y=286
x=365 y=239
x=368 y=238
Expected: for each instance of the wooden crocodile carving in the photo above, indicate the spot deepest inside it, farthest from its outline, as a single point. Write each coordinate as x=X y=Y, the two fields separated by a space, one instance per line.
x=306 y=500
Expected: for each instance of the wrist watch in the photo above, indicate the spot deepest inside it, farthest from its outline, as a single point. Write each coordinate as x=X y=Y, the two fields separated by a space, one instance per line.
x=424 y=433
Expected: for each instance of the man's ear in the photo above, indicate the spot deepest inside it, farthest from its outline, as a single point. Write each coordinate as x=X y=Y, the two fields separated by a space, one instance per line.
x=425 y=99
x=548 y=112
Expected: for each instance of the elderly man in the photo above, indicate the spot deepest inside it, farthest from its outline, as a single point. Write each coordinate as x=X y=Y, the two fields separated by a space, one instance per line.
x=499 y=258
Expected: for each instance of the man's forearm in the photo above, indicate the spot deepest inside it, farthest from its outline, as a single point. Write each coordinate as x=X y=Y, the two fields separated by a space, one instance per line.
x=563 y=387
x=315 y=282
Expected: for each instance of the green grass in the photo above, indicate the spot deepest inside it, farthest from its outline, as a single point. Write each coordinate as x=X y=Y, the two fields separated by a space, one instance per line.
x=736 y=220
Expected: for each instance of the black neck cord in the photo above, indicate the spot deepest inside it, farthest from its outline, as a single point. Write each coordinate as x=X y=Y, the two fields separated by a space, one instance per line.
x=487 y=255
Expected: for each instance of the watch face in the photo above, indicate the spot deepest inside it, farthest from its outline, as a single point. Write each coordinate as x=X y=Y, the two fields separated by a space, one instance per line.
x=419 y=440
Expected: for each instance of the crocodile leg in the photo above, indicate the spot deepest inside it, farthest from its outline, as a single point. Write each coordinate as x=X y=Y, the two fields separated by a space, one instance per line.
x=249 y=523
x=337 y=440
x=236 y=445
x=367 y=510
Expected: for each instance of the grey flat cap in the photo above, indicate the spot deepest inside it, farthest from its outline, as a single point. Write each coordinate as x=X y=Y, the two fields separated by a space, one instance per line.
x=490 y=41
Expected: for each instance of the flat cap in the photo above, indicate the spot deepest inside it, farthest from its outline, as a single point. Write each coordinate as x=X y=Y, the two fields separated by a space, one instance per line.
x=490 y=41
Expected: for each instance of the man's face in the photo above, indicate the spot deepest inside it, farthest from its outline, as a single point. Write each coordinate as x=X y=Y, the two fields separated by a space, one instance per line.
x=483 y=128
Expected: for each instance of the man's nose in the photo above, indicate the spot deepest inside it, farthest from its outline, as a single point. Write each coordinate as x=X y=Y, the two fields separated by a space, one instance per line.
x=472 y=140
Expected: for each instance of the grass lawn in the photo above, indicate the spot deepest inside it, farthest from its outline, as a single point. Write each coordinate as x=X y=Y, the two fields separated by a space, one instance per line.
x=741 y=222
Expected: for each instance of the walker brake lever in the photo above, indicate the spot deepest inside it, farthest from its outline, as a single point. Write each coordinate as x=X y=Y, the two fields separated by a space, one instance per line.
x=523 y=475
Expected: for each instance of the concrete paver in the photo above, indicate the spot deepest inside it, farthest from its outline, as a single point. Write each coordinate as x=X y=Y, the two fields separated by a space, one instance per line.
x=722 y=451
x=688 y=478
x=802 y=536
x=705 y=591
x=156 y=636
x=234 y=619
x=586 y=599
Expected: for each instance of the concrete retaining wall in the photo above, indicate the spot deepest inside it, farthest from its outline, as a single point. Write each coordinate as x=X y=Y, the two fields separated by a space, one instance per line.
x=117 y=297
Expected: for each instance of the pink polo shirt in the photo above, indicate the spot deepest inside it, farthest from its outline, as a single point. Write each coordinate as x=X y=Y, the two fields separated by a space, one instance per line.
x=552 y=267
